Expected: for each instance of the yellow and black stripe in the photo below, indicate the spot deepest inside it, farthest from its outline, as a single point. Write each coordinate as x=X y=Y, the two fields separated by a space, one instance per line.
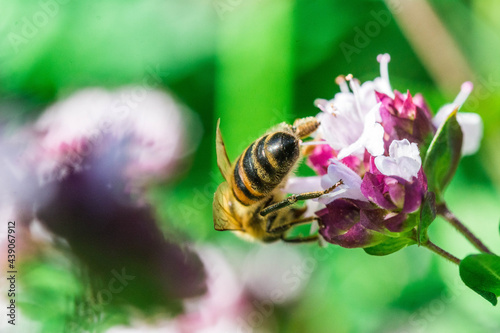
x=263 y=165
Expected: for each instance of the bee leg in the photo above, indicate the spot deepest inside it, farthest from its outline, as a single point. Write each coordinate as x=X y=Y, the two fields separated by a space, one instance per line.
x=298 y=212
x=296 y=197
x=284 y=227
x=307 y=239
x=307 y=150
x=298 y=239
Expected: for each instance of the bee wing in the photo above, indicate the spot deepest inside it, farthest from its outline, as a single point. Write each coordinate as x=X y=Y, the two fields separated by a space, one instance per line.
x=222 y=159
x=223 y=219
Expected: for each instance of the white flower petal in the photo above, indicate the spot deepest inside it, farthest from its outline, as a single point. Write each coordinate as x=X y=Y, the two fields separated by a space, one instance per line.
x=372 y=137
x=374 y=142
x=408 y=167
x=403 y=161
x=356 y=148
x=442 y=114
x=344 y=101
x=303 y=184
x=471 y=123
x=350 y=127
x=338 y=170
x=321 y=104
x=400 y=148
x=350 y=189
x=386 y=165
x=472 y=128
x=382 y=83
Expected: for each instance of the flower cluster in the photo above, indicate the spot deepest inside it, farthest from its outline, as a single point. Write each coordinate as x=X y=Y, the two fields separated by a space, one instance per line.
x=376 y=140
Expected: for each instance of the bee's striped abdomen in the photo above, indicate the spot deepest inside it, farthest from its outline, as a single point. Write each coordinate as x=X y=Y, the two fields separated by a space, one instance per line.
x=263 y=165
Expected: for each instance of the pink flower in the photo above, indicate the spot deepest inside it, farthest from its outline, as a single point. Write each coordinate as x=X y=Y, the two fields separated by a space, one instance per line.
x=376 y=133
x=396 y=182
x=364 y=212
x=319 y=159
x=350 y=121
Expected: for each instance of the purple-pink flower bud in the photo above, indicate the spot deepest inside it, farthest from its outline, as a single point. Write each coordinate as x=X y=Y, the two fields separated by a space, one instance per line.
x=404 y=119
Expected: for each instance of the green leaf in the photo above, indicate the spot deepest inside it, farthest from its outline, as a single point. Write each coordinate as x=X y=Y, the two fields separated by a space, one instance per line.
x=443 y=155
x=389 y=246
x=427 y=215
x=481 y=273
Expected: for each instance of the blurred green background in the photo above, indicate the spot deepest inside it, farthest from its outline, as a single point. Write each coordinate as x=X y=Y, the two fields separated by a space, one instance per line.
x=257 y=63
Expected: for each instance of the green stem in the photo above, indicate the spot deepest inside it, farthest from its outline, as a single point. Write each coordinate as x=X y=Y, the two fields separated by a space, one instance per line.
x=436 y=249
x=452 y=219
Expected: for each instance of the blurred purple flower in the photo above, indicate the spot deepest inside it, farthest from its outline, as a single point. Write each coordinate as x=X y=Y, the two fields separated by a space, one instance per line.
x=224 y=304
x=234 y=302
x=17 y=176
x=152 y=122
x=92 y=210
x=81 y=166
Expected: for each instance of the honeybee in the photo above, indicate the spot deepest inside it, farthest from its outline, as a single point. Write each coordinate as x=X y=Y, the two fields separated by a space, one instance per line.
x=251 y=201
